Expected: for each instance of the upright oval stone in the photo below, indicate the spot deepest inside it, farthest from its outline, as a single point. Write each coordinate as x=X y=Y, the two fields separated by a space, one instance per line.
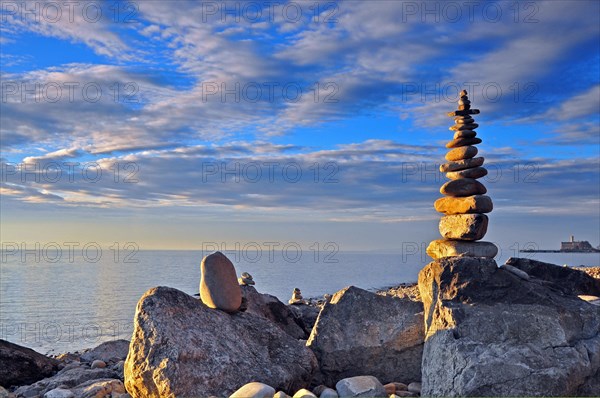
x=219 y=287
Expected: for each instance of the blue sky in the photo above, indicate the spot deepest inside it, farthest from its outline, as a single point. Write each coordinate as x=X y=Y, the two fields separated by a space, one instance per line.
x=172 y=123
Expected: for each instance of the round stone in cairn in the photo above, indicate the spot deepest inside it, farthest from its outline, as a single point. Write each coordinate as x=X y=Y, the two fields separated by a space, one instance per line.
x=476 y=172
x=450 y=248
x=463 y=187
x=463 y=102
x=464 y=226
x=219 y=287
x=464 y=134
x=463 y=141
x=470 y=126
x=460 y=153
x=464 y=205
x=461 y=164
x=464 y=112
x=463 y=120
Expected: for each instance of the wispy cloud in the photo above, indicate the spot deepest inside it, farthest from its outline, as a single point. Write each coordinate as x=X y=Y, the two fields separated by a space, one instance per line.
x=374 y=180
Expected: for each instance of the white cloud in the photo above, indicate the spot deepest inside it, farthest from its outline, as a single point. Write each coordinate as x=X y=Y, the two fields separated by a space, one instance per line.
x=375 y=181
x=85 y=21
x=60 y=154
x=580 y=105
x=368 y=57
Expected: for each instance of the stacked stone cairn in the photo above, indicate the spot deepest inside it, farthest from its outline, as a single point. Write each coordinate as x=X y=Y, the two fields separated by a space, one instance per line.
x=464 y=206
x=296 y=297
x=246 y=279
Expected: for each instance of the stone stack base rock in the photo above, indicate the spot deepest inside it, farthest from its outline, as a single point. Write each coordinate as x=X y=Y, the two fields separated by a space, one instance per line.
x=464 y=206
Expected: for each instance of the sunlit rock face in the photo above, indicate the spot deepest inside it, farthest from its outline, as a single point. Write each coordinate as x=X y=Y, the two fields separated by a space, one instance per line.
x=182 y=348
x=492 y=333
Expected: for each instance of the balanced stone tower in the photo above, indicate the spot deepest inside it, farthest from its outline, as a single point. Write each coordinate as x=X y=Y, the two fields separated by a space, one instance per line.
x=464 y=206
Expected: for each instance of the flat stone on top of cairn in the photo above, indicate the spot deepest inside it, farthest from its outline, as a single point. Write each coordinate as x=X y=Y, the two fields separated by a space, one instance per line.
x=219 y=286
x=464 y=204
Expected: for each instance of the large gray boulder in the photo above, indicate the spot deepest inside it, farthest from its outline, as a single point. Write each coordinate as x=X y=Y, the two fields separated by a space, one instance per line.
x=182 y=348
x=21 y=365
x=491 y=333
x=569 y=280
x=363 y=333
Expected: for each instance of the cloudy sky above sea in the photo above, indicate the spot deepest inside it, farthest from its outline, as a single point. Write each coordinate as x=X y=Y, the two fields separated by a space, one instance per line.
x=172 y=124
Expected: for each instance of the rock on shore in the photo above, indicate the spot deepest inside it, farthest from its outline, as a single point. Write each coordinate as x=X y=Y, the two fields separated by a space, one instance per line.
x=527 y=328
x=569 y=280
x=79 y=379
x=180 y=347
x=219 y=287
x=21 y=365
x=492 y=333
x=363 y=333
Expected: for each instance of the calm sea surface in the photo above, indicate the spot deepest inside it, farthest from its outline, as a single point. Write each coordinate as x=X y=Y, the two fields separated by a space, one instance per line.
x=68 y=304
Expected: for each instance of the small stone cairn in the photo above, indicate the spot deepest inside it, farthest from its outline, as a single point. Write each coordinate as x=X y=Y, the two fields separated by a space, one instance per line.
x=296 y=297
x=464 y=206
x=246 y=279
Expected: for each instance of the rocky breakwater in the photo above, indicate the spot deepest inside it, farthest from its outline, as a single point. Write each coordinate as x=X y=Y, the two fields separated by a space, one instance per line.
x=238 y=342
x=464 y=206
